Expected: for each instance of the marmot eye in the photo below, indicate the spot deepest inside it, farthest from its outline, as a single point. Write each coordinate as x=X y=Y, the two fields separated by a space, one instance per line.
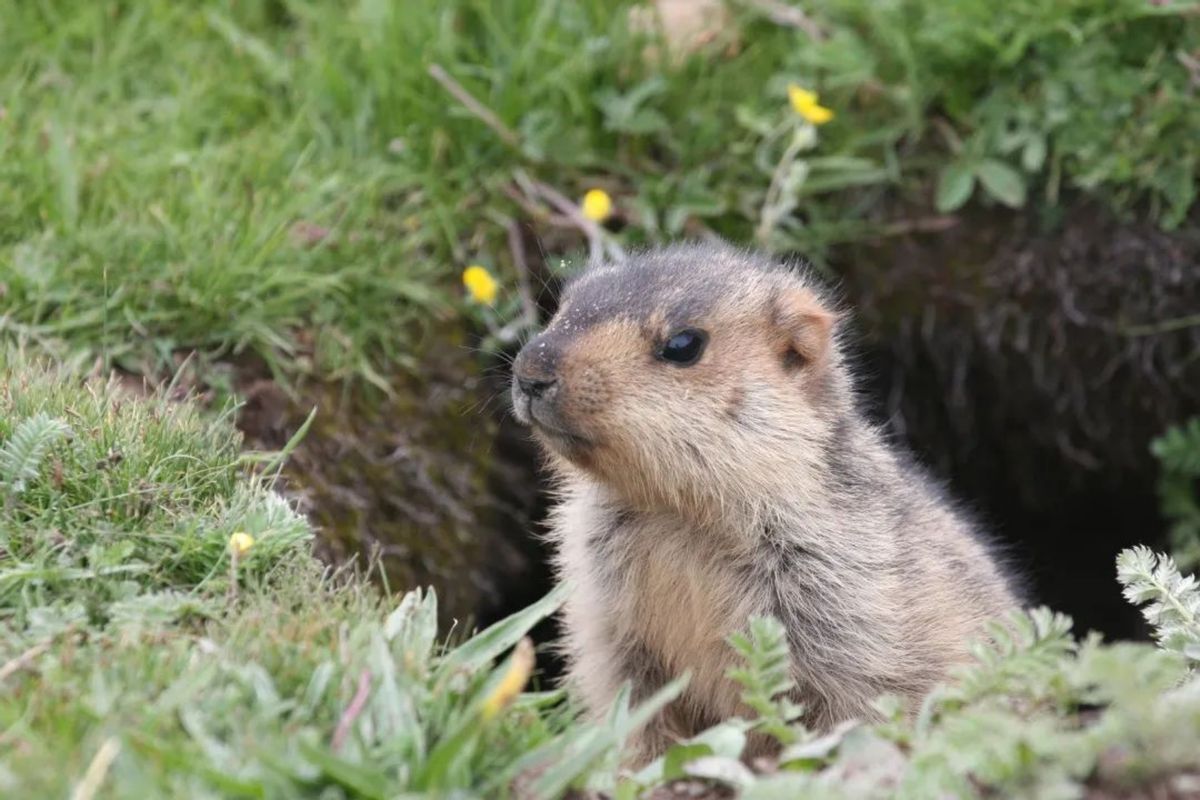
x=684 y=348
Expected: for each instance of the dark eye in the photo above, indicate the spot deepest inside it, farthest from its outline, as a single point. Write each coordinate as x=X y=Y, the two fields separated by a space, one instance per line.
x=684 y=348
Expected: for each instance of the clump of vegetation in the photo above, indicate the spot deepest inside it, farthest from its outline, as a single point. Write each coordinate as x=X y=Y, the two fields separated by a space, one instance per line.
x=1171 y=600
x=108 y=497
x=1042 y=99
x=166 y=632
x=1039 y=714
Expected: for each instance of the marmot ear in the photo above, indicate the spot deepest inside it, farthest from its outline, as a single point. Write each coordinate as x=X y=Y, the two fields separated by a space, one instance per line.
x=805 y=325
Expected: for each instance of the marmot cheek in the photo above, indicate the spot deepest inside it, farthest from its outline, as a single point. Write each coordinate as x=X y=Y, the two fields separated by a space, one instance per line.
x=586 y=401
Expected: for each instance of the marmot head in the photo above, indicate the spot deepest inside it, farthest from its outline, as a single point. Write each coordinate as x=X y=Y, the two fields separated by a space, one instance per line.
x=686 y=377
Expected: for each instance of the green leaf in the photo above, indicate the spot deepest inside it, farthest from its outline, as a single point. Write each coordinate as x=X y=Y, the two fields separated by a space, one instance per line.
x=364 y=782
x=486 y=645
x=625 y=113
x=273 y=67
x=955 y=185
x=627 y=790
x=816 y=749
x=414 y=625
x=766 y=677
x=65 y=169
x=728 y=771
x=588 y=744
x=274 y=461
x=679 y=755
x=1002 y=182
x=1034 y=154
x=1170 y=600
x=318 y=685
x=727 y=739
x=457 y=746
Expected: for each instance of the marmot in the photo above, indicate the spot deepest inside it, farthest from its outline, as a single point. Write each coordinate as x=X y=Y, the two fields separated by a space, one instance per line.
x=712 y=464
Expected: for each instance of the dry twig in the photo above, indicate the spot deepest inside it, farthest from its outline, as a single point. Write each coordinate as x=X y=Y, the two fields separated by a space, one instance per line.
x=357 y=704
x=789 y=16
x=485 y=114
x=25 y=659
x=97 y=770
x=599 y=242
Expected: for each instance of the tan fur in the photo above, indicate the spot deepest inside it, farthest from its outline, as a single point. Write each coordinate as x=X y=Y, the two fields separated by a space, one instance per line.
x=694 y=497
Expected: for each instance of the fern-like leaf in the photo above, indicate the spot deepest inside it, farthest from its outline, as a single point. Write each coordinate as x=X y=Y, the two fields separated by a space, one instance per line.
x=22 y=455
x=766 y=678
x=1019 y=656
x=1170 y=601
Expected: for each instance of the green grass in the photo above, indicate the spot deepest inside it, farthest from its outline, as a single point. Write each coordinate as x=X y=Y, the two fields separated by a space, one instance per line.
x=156 y=158
x=153 y=485
x=137 y=660
x=123 y=619
x=155 y=168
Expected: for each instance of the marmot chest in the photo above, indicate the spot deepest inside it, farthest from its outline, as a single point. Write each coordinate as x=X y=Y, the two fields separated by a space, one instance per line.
x=679 y=601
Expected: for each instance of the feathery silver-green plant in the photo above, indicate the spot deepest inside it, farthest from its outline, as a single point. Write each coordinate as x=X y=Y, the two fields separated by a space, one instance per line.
x=1170 y=601
x=21 y=456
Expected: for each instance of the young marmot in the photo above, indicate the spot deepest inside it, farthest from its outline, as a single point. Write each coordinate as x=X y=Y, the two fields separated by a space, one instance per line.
x=712 y=465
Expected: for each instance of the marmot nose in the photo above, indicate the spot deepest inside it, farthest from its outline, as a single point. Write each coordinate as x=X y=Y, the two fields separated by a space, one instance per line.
x=536 y=387
x=535 y=369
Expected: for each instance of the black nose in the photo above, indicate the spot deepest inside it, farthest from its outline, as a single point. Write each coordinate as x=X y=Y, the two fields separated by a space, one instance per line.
x=535 y=387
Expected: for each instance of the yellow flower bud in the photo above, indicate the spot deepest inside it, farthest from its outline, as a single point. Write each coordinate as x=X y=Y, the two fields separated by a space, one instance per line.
x=520 y=667
x=240 y=542
x=480 y=283
x=597 y=205
x=805 y=104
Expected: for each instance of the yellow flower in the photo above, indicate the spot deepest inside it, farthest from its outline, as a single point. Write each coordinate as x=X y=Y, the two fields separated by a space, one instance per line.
x=805 y=104
x=520 y=667
x=240 y=542
x=597 y=205
x=480 y=283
